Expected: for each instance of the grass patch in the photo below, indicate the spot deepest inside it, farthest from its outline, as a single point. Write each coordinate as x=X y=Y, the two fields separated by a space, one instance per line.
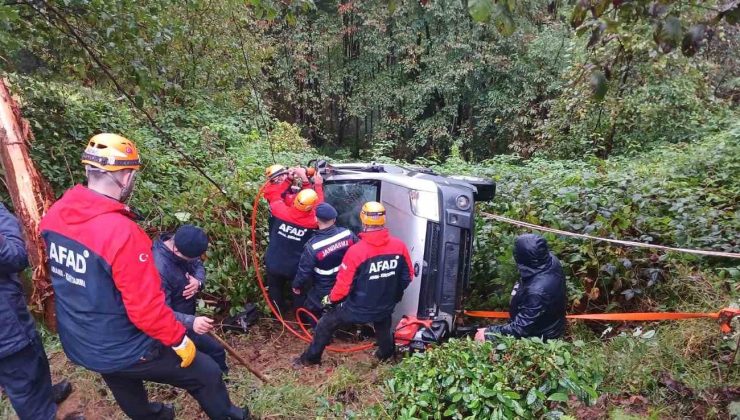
x=677 y=369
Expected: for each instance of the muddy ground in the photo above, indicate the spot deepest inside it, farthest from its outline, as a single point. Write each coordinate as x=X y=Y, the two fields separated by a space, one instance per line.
x=345 y=384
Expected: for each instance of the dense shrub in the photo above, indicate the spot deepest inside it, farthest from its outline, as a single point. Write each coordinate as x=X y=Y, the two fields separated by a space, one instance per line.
x=507 y=379
x=223 y=141
x=683 y=195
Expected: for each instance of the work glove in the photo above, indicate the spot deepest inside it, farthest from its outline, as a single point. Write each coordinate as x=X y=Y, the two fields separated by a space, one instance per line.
x=186 y=351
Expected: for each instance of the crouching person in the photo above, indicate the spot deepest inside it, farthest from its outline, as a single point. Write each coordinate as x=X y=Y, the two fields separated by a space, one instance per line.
x=371 y=280
x=538 y=300
x=177 y=257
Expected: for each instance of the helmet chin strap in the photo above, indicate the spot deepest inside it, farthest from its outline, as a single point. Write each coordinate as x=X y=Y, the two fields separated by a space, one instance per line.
x=126 y=190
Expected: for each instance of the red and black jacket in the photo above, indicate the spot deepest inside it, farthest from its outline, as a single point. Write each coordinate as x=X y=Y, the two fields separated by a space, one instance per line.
x=273 y=191
x=282 y=190
x=290 y=229
x=373 y=276
x=109 y=301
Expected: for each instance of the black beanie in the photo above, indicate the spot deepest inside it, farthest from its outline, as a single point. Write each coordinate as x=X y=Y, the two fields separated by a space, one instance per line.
x=191 y=241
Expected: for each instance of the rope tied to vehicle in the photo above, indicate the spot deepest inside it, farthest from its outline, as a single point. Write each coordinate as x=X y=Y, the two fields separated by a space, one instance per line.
x=724 y=316
x=614 y=241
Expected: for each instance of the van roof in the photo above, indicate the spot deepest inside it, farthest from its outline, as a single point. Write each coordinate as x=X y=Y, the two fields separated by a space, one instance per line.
x=418 y=178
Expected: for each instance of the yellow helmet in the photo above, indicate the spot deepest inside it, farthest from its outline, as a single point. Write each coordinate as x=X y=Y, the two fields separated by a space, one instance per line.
x=306 y=200
x=111 y=152
x=273 y=171
x=373 y=214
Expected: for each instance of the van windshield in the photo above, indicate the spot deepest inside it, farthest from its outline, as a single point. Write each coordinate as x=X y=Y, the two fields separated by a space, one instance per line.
x=348 y=197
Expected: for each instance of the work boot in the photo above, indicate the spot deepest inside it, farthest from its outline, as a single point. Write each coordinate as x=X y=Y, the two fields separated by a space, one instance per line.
x=300 y=362
x=61 y=390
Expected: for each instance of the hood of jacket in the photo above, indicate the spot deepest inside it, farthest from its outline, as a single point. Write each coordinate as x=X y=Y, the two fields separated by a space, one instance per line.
x=532 y=255
x=376 y=237
x=84 y=204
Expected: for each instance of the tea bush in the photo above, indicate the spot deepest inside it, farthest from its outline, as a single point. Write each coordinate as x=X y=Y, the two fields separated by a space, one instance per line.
x=507 y=379
x=680 y=195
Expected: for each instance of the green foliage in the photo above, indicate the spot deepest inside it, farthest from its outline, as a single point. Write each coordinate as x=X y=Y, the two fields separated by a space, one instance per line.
x=405 y=79
x=683 y=195
x=636 y=101
x=507 y=379
x=286 y=137
x=225 y=144
x=156 y=51
x=422 y=80
x=637 y=360
x=350 y=77
x=63 y=117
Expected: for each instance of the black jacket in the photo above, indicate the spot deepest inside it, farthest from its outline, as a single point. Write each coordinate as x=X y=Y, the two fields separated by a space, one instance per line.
x=173 y=271
x=290 y=229
x=320 y=262
x=537 y=307
x=16 y=325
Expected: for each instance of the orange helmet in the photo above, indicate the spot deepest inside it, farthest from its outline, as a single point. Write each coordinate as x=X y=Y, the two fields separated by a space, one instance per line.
x=372 y=214
x=306 y=200
x=111 y=152
x=275 y=171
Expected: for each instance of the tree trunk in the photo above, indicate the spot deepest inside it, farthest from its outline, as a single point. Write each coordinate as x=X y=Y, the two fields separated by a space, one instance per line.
x=32 y=196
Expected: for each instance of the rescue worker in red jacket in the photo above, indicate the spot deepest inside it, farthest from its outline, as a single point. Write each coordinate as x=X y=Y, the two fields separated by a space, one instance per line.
x=278 y=182
x=371 y=280
x=290 y=228
x=110 y=307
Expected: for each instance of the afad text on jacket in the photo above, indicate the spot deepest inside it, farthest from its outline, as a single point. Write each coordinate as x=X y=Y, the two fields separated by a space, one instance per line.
x=109 y=302
x=373 y=276
x=290 y=229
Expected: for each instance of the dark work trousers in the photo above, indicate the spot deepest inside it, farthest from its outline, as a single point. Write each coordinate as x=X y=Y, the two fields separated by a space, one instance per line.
x=333 y=320
x=316 y=310
x=26 y=379
x=208 y=345
x=202 y=379
x=276 y=289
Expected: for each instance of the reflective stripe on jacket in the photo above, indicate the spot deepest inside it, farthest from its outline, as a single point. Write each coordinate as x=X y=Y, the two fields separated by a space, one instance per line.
x=321 y=260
